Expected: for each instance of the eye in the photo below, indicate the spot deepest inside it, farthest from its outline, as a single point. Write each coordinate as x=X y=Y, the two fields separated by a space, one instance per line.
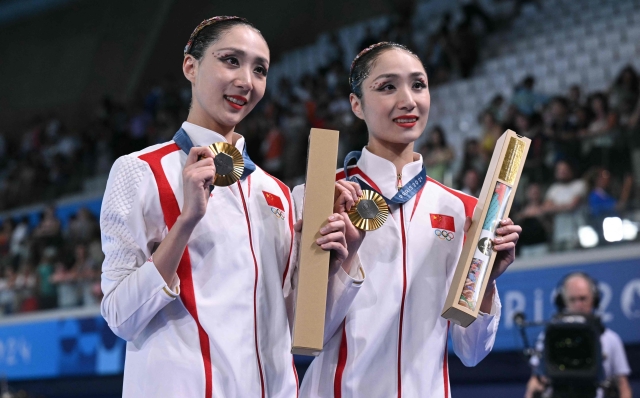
x=231 y=61
x=261 y=70
x=419 y=85
x=386 y=87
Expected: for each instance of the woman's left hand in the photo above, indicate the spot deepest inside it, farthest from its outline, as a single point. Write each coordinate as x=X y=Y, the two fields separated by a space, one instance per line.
x=504 y=243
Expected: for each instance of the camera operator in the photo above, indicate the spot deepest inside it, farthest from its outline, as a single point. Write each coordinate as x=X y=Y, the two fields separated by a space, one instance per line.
x=578 y=294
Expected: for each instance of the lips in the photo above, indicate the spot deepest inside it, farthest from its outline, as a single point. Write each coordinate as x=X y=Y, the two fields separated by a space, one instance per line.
x=236 y=101
x=406 y=121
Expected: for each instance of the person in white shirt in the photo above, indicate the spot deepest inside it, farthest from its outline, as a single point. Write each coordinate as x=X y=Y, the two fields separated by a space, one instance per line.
x=197 y=281
x=393 y=341
x=578 y=294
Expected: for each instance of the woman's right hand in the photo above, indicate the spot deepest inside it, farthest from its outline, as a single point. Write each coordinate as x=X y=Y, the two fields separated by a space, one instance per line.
x=197 y=176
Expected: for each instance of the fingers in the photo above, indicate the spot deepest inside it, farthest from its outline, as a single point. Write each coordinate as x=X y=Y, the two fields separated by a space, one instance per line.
x=347 y=195
x=509 y=229
x=298 y=226
x=467 y=224
x=505 y=247
x=337 y=237
x=353 y=187
x=506 y=241
x=339 y=249
x=196 y=152
x=337 y=225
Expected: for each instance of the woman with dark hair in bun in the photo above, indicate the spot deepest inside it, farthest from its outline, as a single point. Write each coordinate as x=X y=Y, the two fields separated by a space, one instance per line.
x=393 y=341
x=196 y=279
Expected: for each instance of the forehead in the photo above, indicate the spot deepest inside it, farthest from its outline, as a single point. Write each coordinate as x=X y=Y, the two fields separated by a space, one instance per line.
x=245 y=38
x=396 y=61
x=577 y=285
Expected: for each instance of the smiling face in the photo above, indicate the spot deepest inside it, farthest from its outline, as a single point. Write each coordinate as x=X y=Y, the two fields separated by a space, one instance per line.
x=229 y=80
x=395 y=98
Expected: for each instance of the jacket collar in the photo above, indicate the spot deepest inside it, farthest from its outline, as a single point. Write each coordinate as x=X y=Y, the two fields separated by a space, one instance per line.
x=383 y=173
x=201 y=136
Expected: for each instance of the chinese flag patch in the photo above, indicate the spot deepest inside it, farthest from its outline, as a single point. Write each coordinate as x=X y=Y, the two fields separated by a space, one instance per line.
x=441 y=221
x=273 y=200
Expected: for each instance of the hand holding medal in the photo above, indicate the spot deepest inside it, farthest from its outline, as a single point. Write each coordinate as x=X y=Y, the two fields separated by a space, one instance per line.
x=229 y=164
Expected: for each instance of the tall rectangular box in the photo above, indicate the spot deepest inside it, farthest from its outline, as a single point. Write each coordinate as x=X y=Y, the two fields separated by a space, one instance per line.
x=313 y=271
x=476 y=260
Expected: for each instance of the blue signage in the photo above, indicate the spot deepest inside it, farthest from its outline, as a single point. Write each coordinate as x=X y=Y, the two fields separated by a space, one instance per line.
x=54 y=348
x=532 y=292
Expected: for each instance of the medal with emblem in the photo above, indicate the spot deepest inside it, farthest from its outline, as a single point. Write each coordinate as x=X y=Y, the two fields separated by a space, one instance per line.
x=370 y=211
x=229 y=163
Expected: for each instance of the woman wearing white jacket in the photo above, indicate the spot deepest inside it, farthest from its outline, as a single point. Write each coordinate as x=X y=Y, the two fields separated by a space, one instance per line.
x=198 y=281
x=393 y=341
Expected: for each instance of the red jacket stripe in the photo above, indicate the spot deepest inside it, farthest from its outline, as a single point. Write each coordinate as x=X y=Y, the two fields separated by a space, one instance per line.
x=171 y=212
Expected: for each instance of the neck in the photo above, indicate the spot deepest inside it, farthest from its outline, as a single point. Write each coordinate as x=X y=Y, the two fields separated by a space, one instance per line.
x=398 y=154
x=201 y=119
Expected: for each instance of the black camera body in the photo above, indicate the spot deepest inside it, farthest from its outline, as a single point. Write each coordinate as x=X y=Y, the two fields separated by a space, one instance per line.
x=573 y=355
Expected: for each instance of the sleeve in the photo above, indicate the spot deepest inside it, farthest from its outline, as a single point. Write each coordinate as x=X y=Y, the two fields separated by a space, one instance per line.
x=473 y=343
x=132 y=225
x=620 y=365
x=341 y=289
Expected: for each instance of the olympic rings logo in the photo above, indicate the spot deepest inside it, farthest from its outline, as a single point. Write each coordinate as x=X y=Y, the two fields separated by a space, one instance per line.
x=444 y=234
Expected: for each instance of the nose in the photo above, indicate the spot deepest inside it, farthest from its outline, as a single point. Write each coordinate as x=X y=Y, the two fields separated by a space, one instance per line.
x=406 y=101
x=243 y=80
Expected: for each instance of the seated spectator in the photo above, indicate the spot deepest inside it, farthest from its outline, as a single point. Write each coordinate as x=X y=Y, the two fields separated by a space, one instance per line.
x=473 y=158
x=437 y=155
x=88 y=274
x=574 y=98
x=25 y=286
x=535 y=168
x=563 y=200
x=526 y=99
x=535 y=226
x=7 y=291
x=471 y=183
x=48 y=232
x=561 y=132
x=491 y=131
x=601 y=201
x=83 y=228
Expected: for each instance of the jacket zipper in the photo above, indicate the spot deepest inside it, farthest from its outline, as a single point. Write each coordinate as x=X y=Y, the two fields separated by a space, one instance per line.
x=255 y=288
x=404 y=290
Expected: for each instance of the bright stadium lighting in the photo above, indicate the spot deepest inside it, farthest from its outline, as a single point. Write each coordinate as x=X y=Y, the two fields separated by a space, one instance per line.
x=629 y=230
x=588 y=236
x=612 y=228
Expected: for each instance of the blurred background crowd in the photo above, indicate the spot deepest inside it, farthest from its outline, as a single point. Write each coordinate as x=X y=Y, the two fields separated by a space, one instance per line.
x=577 y=188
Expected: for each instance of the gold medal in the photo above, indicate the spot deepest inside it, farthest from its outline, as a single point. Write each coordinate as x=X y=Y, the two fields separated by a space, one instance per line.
x=370 y=211
x=229 y=163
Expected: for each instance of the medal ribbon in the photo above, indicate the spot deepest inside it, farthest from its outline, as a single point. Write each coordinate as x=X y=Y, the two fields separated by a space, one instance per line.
x=184 y=142
x=405 y=193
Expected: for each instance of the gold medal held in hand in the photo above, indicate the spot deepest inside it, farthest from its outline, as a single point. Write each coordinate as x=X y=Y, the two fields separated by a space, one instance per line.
x=229 y=163
x=370 y=211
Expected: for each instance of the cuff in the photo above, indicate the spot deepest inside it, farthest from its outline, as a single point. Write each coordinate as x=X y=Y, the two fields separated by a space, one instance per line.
x=355 y=276
x=496 y=306
x=171 y=291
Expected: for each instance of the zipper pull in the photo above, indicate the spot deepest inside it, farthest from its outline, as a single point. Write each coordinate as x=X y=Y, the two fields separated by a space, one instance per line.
x=399 y=181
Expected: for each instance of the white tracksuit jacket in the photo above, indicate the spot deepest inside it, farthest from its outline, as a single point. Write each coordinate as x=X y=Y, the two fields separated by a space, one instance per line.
x=393 y=342
x=222 y=327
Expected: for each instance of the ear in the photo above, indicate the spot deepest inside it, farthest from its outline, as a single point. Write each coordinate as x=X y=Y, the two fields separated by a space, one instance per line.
x=190 y=68
x=356 y=106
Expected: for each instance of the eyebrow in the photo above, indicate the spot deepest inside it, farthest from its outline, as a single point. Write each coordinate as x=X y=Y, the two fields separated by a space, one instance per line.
x=243 y=53
x=395 y=75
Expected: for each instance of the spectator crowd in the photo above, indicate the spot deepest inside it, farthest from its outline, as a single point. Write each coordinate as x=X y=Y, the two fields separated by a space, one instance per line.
x=579 y=169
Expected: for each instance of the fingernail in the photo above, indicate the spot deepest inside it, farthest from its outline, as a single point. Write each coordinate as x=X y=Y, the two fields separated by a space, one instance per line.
x=498 y=240
x=332 y=218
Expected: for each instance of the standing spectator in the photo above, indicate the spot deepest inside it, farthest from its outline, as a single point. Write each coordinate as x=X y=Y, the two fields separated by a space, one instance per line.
x=624 y=93
x=18 y=247
x=48 y=232
x=563 y=200
x=535 y=226
x=437 y=155
x=83 y=228
x=472 y=159
x=65 y=280
x=88 y=274
x=471 y=183
x=599 y=135
x=562 y=133
x=574 y=98
x=25 y=285
x=7 y=292
x=6 y=230
x=45 y=289
x=534 y=168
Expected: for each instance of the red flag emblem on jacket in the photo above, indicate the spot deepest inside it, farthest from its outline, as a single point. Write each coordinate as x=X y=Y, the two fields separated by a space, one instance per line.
x=441 y=221
x=273 y=200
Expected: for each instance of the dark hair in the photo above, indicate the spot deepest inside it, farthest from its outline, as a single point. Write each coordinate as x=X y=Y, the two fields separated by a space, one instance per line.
x=363 y=63
x=634 y=78
x=437 y=130
x=212 y=33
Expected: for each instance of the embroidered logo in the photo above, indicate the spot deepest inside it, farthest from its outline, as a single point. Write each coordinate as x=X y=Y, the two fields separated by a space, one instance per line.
x=275 y=203
x=443 y=234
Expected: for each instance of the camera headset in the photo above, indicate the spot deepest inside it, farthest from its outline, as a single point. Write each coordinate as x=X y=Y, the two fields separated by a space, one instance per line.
x=560 y=291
